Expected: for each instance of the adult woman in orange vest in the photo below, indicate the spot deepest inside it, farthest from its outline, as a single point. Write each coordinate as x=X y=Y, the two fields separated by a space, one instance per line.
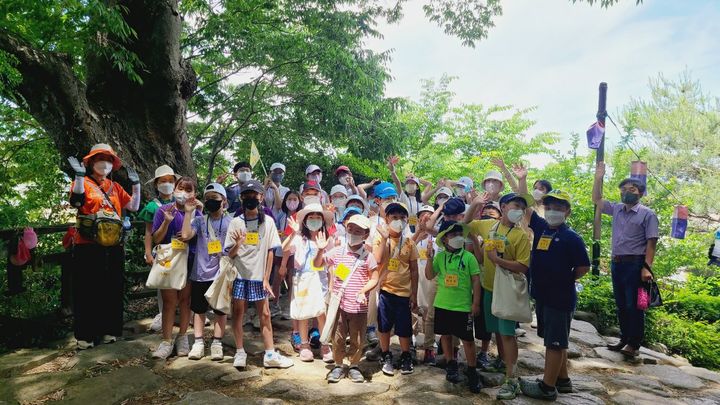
x=98 y=252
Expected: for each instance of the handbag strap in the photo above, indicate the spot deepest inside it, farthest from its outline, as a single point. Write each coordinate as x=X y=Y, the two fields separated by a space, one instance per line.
x=97 y=186
x=359 y=260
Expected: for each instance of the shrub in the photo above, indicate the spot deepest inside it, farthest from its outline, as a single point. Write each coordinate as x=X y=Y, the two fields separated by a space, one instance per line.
x=699 y=342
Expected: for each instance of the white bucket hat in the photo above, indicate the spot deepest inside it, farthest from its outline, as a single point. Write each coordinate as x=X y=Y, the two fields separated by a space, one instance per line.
x=163 y=171
x=493 y=175
x=315 y=208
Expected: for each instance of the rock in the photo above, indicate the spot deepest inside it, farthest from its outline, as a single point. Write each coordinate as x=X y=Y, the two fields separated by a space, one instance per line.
x=585 y=364
x=585 y=316
x=293 y=390
x=23 y=360
x=607 y=354
x=582 y=326
x=671 y=376
x=703 y=373
x=491 y=379
x=214 y=398
x=587 y=338
x=434 y=398
x=579 y=398
x=200 y=370
x=611 y=331
x=640 y=398
x=639 y=382
x=574 y=351
x=28 y=388
x=664 y=358
x=660 y=348
x=114 y=387
x=347 y=388
x=138 y=326
x=581 y=384
x=121 y=351
x=531 y=360
x=424 y=379
x=250 y=375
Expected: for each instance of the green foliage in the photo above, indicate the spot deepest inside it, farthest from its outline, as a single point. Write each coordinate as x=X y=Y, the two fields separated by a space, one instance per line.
x=699 y=342
x=597 y=298
x=699 y=307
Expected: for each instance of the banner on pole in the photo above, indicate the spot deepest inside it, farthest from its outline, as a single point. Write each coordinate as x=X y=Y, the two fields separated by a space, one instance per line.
x=595 y=135
x=638 y=170
x=254 y=154
x=679 y=222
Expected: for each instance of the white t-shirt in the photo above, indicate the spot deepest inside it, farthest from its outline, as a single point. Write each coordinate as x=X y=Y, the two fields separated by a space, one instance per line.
x=411 y=203
x=252 y=259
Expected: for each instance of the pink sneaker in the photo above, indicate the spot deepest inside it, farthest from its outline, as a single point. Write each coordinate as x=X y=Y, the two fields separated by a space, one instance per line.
x=327 y=354
x=305 y=353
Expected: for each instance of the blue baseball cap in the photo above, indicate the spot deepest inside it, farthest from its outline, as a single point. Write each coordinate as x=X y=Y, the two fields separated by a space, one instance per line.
x=454 y=206
x=385 y=190
x=348 y=210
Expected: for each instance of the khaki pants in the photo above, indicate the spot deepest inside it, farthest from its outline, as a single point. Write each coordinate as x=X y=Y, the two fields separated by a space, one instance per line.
x=352 y=325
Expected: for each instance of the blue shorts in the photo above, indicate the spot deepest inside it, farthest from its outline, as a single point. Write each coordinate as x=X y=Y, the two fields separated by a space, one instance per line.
x=394 y=311
x=248 y=290
x=553 y=325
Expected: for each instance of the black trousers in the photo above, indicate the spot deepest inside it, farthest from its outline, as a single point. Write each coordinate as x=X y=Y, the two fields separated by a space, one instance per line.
x=98 y=291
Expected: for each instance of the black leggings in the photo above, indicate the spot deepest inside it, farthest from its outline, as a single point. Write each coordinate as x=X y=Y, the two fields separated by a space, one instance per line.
x=98 y=291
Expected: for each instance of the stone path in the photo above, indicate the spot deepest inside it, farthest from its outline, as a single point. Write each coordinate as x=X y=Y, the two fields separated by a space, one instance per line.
x=124 y=373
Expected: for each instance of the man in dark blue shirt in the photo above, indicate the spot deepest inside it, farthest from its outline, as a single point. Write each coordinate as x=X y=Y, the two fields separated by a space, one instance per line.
x=559 y=257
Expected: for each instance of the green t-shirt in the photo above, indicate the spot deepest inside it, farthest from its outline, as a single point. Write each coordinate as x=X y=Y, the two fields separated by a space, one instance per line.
x=148 y=212
x=454 y=280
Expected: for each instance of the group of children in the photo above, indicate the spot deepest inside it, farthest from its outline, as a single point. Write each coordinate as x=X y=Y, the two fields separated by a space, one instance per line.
x=395 y=264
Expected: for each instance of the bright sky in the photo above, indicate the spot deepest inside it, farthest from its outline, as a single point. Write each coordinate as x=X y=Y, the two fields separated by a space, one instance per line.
x=553 y=54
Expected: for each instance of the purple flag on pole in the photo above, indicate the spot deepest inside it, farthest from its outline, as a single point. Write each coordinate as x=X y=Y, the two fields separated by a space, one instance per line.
x=595 y=135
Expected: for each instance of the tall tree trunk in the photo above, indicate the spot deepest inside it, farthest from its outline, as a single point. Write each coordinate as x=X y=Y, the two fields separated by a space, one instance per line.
x=145 y=123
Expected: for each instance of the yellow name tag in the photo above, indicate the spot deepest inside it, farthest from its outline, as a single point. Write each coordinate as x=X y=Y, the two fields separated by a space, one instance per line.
x=214 y=247
x=177 y=244
x=252 y=238
x=499 y=245
x=423 y=254
x=544 y=243
x=413 y=220
x=394 y=265
x=342 y=271
x=451 y=280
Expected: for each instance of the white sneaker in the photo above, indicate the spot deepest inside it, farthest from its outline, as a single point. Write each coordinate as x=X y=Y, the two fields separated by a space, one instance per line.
x=83 y=345
x=198 y=350
x=163 y=351
x=240 y=359
x=276 y=360
x=216 y=351
x=109 y=339
x=182 y=346
x=156 y=325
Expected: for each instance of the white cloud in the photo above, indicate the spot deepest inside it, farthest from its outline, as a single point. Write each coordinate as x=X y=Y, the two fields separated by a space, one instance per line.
x=553 y=54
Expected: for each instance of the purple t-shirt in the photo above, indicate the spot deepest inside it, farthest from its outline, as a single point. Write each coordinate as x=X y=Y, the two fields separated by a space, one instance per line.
x=207 y=265
x=631 y=228
x=175 y=227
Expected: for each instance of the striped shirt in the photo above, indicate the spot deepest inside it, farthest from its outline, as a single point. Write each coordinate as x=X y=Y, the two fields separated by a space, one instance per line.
x=341 y=255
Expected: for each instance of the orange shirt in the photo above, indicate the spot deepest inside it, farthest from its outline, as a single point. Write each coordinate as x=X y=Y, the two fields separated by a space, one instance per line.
x=95 y=200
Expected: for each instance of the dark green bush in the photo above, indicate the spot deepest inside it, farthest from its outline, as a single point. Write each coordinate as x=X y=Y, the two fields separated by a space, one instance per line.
x=699 y=342
x=696 y=307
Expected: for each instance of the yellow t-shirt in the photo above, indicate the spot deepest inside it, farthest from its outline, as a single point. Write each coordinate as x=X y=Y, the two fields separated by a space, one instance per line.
x=398 y=279
x=516 y=246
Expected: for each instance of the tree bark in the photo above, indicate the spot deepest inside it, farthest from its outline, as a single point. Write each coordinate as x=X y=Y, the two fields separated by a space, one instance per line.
x=145 y=123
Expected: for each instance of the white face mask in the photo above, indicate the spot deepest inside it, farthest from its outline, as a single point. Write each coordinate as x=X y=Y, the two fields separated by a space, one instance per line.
x=398 y=225
x=515 y=216
x=103 y=168
x=316 y=177
x=244 y=176
x=344 y=180
x=311 y=199
x=314 y=224
x=292 y=204
x=460 y=192
x=554 y=218
x=492 y=187
x=166 y=188
x=537 y=194
x=456 y=242
x=411 y=188
x=340 y=202
x=354 y=240
x=439 y=201
x=181 y=197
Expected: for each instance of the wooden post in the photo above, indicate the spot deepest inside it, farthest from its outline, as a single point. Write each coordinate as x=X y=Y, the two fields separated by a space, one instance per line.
x=599 y=157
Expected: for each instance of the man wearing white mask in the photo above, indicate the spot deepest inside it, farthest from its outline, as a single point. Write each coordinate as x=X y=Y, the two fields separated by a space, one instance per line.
x=242 y=172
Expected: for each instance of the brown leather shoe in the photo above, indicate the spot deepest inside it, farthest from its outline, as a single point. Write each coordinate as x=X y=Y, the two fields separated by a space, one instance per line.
x=630 y=351
x=616 y=347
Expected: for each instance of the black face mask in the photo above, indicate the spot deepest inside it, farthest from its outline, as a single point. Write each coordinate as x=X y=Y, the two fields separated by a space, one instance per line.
x=250 y=203
x=488 y=217
x=213 y=205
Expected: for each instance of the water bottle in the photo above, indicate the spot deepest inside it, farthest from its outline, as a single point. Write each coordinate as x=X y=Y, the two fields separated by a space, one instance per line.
x=716 y=250
x=579 y=287
x=126 y=224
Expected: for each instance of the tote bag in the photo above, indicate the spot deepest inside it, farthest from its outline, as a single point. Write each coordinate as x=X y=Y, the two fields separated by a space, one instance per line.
x=511 y=299
x=308 y=299
x=219 y=295
x=169 y=271
x=334 y=304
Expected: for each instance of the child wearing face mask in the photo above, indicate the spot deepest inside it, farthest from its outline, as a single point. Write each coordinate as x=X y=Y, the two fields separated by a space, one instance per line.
x=457 y=300
x=290 y=206
x=167 y=226
x=505 y=245
x=275 y=191
x=398 y=286
x=313 y=173
x=339 y=199
x=310 y=232
x=242 y=172
x=210 y=231
x=164 y=182
x=493 y=185
x=351 y=265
